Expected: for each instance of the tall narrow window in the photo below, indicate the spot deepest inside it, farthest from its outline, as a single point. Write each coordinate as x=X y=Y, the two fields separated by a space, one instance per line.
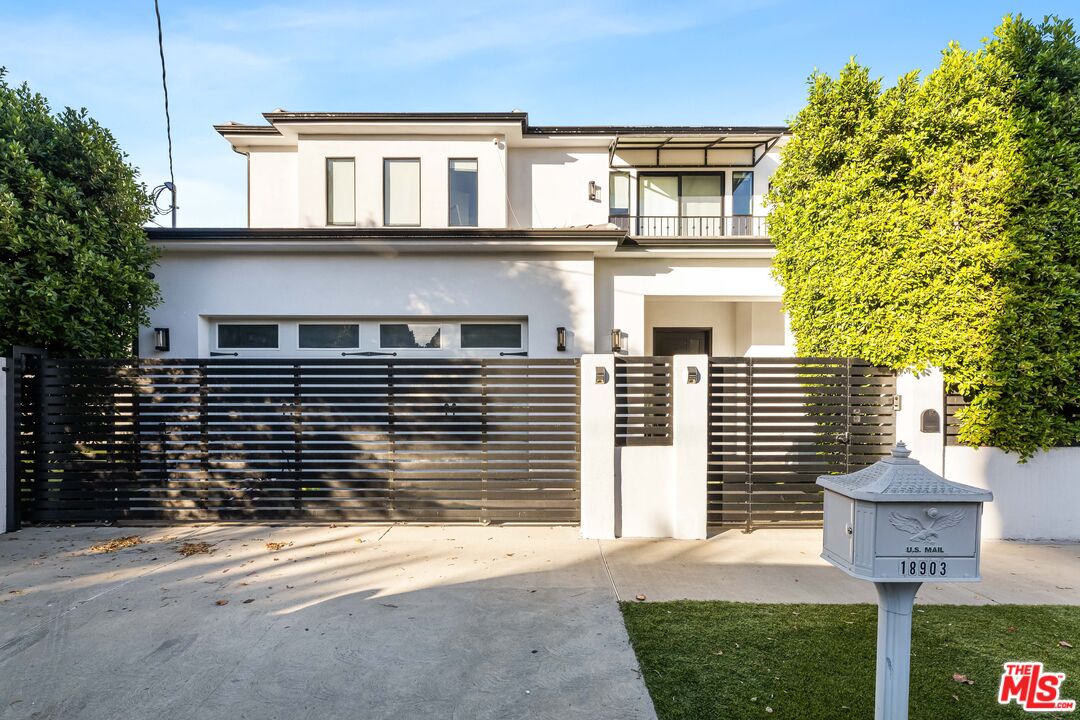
x=340 y=191
x=464 y=192
x=742 y=193
x=619 y=194
x=401 y=191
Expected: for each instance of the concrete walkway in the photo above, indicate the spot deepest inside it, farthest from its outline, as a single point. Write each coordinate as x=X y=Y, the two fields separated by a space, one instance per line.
x=390 y=622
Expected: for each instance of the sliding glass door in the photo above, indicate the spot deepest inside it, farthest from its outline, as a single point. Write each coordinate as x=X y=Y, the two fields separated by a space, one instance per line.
x=687 y=204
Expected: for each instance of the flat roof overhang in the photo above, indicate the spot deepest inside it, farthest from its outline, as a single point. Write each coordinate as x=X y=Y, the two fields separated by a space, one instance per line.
x=385 y=240
x=755 y=142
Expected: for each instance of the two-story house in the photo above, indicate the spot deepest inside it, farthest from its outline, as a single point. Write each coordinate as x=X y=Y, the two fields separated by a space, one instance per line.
x=479 y=234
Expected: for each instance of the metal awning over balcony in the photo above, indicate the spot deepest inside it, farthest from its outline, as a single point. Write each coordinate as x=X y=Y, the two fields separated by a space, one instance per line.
x=691 y=150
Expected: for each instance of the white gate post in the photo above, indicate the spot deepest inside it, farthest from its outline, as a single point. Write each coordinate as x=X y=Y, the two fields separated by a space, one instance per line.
x=598 y=446
x=690 y=426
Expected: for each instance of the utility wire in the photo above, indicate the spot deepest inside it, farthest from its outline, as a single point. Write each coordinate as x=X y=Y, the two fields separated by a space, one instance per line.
x=165 y=88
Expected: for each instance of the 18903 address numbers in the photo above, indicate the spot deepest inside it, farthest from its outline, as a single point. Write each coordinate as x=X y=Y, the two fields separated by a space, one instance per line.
x=923 y=568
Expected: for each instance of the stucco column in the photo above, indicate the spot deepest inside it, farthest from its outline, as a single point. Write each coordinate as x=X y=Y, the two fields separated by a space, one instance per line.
x=689 y=501
x=598 y=446
x=921 y=394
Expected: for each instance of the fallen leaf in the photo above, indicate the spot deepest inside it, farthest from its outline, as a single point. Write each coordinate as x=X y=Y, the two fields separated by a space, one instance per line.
x=954 y=697
x=194 y=548
x=1065 y=644
x=221 y=602
x=249 y=600
x=275 y=546
x=1010 y=629
x=768 y=709
x=962 y=679
x=116 y=544
x=640 y=598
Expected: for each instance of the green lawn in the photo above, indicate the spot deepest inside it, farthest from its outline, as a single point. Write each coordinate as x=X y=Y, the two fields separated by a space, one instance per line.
x=728 y=661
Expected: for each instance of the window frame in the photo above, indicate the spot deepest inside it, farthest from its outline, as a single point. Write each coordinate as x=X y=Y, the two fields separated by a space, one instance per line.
x=449 y=191
x=611 y=192
x=419 y=192
x=753 y=181
x=679 y=174
x=217 y=335
x=441 y=325
x=355 y=323
x=330 y=191
x=461 y=333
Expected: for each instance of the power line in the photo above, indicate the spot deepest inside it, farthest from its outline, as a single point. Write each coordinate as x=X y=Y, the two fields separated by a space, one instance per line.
x=165 y=88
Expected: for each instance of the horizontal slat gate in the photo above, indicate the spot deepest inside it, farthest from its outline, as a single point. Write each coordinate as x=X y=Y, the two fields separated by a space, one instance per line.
x=643 y=401
x=776 y=424
x=350 y=439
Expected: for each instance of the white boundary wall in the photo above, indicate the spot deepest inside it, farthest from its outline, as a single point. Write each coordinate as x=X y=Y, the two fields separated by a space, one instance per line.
x=1036 y=500
x=643 y=490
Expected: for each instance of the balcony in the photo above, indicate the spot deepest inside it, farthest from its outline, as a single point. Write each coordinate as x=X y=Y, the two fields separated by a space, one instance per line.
x=701 y=227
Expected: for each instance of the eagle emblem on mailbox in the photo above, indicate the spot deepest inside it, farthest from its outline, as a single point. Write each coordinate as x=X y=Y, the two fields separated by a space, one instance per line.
x=925 y=531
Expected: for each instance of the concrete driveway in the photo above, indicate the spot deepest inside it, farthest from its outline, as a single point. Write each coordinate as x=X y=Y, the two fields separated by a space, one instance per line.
x=389 y=622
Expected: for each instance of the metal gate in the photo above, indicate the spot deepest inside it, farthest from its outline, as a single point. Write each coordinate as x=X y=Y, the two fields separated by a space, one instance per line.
x=776 y=424
x=321 y=439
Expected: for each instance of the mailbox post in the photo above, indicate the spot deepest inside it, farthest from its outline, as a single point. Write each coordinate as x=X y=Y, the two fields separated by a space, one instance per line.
x=897 y=524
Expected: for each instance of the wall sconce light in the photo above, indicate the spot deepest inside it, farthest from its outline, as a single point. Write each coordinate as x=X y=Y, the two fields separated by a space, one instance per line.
x=560 y=339
x=601 y=375
x=616 y=341
x=693 y=375
x=161 y=339
x=594 y=191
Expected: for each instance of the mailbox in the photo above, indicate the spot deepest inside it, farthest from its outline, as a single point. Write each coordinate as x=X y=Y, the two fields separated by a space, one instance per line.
x=896 y=521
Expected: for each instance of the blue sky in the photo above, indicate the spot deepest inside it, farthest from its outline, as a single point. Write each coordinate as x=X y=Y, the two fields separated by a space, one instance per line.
x=564 y=61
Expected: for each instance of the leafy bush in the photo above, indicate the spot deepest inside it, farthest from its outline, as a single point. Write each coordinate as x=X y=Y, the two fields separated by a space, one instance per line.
x=74 y=261
x=937 y=223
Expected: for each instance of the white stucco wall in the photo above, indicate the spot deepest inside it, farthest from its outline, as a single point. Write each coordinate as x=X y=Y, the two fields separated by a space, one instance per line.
x=1036 y=500
x=273 y=188
x=744 y=329
x=434 y=153
x=549 y=290
x=622 y=286
x=549 y=187
x=519 y=186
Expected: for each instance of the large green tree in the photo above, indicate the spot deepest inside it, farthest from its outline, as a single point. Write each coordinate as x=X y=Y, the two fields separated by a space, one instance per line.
x=937 y=223
x=75 y=267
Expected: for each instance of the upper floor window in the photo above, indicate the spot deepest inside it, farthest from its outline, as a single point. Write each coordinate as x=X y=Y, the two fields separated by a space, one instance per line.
x=401 y=191
x=464 y=192
x=340 y=191
x=742 y=193
x=619 y=193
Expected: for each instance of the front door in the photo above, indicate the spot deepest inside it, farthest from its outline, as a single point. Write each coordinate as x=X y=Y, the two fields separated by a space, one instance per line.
x=682 y=341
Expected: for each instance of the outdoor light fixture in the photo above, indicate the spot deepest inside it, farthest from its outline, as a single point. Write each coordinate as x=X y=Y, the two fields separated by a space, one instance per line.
x=560 y=339
x=161 y=339
x=693 y=375
x=594 y=191
x=616 y=341
x=601 y=375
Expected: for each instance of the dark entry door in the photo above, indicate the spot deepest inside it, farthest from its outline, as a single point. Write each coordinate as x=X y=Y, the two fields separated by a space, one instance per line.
x=682 y=341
